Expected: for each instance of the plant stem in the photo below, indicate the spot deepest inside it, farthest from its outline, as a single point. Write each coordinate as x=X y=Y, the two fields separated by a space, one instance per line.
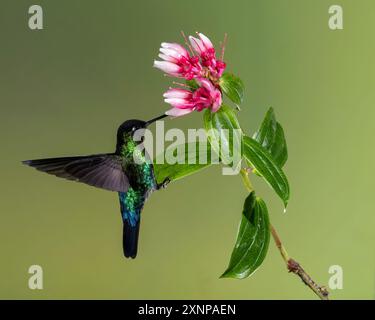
x=246 y=180
x=292 y=265
x=296 y=268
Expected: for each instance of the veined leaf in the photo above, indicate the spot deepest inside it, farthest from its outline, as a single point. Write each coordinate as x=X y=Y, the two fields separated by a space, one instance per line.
x=263 y=162
x=252 y=239
x=271 y=136
x=189 y=160
x=224 y=133
x=233 y=87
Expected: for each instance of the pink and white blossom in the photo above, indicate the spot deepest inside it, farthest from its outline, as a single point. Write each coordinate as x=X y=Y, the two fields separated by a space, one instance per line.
x=199 y=64
x=204 y=48
x=211 y=93
x=177 y=61
x=185 y=101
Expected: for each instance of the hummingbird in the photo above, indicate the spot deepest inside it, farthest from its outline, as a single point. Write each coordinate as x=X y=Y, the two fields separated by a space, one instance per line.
x=127 y=171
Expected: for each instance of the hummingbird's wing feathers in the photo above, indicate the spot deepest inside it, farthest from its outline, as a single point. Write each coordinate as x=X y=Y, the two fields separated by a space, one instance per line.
x=101 y=171
x=53 y=166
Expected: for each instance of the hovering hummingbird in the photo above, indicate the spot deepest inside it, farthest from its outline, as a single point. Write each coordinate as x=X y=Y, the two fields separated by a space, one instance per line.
x=125 y=171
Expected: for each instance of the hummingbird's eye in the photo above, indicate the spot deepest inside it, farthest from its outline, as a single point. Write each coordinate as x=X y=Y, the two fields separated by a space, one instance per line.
x=134 y=128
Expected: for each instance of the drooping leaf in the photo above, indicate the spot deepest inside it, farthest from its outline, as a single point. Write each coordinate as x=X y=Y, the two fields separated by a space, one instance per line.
x=233 y=87
x=271 y=136
x=252 y=239
x=262 y=161
x=189 y=159
x=224 y=133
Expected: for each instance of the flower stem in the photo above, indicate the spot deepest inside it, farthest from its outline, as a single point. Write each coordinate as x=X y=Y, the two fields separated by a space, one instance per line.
x=292 y=265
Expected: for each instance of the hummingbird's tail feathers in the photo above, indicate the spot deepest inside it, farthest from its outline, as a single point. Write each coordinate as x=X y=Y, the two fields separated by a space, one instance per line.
x=101 y=171
x=131 y=204
x=130 y=238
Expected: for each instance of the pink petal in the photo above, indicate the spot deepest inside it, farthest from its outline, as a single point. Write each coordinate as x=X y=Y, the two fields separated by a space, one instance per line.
x=172 y=53
x=197 y=44
x=178 y=93
x=177 y=47
x=207 y=42
x=174 y=112
x=205 y=83
x=167 y=67
x=179 y=103
x=217 y=103
x=167 y=58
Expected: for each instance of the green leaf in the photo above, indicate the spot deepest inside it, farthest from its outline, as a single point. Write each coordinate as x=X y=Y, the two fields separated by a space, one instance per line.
x=252 y=240
x=188 y=161
x=271 y=136
x=233 y=87
x=224 y=133
x=263 y=162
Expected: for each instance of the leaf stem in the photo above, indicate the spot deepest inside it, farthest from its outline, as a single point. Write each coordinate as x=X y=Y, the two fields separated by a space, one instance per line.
x=246 y=180
x=292 y=265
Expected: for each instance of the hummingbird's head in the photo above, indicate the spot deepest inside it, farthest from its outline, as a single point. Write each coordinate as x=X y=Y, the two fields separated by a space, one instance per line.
x=130 y=127
x=127 y=130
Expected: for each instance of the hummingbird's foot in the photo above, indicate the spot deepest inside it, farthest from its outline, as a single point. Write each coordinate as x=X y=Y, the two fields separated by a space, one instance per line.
x=164 y=184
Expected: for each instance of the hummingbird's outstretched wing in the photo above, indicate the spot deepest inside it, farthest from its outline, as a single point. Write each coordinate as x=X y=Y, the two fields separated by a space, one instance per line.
x=101 y=171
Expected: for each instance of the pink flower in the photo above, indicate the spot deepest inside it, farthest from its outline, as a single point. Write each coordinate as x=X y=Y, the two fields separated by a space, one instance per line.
x=203 y=46
x=209 y=96
x=177 y=61
x=201 y=65
x=185 y=101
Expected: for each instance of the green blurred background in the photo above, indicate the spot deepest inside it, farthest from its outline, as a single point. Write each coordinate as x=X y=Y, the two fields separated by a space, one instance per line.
x=65 y=89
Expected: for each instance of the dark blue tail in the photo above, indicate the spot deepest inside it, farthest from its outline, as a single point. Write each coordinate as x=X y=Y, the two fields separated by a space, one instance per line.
x=130 y=239
x=131 y=217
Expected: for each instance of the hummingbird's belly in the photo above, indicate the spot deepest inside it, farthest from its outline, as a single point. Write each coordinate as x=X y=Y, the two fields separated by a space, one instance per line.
x=141 y=176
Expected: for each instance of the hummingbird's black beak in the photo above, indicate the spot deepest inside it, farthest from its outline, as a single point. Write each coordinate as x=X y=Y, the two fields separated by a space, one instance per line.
x=155 y=119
